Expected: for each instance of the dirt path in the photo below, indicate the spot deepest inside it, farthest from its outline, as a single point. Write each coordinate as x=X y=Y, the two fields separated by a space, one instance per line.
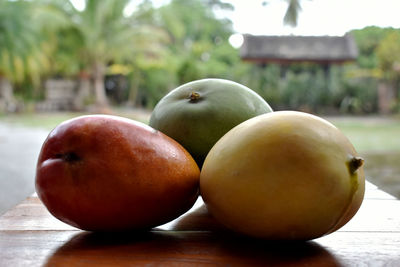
x=19 y=149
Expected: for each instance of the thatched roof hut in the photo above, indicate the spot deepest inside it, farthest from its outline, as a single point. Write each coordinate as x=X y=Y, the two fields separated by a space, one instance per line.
x=290 y=49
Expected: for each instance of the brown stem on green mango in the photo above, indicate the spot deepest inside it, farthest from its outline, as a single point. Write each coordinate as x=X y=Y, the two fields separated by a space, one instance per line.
x=355 y=163
x=194 y=97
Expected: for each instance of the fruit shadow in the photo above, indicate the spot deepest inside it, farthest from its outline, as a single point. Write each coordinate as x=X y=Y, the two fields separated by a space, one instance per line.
x=195 y=239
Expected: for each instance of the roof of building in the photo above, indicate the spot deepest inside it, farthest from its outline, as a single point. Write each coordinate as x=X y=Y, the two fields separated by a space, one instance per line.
x=321 y=49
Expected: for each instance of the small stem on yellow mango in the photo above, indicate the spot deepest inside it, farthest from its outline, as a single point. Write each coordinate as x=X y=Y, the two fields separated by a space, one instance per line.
x=355 y=163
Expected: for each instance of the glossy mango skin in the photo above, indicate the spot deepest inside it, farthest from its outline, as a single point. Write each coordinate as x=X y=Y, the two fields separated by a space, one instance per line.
x=282 y=176
x=198 y=124
x=107 y=173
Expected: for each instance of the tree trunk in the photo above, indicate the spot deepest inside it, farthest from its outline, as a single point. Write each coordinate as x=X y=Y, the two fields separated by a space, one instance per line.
x=327 y=76
x=386 y=96
x=133 y=90
x=98 y=83
x=83 y=91
x=7 y=101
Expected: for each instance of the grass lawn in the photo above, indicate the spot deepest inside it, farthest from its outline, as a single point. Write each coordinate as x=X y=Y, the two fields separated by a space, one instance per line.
x=377 y=139
x=50 y=120
x=38 y=120
x=370 y=133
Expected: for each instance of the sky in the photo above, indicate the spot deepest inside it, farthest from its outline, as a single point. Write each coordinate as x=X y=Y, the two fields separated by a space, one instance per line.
x=318 y=17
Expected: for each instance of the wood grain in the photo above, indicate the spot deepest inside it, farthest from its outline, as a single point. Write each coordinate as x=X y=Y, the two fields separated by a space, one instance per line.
x=30 y=236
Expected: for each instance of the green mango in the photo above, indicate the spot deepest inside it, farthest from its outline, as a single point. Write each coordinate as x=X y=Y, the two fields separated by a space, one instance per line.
x=197 y=114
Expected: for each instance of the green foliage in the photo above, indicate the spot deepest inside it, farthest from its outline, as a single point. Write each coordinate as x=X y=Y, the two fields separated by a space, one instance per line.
x=264 y=80
x=65 y=57
x=304 y=91
x=99 y=35
x=156 y=81
x=21 y=43
x=162 y=48
x=358 y=95
x=194 y=50
x=368 y=40
x=308 y=87
x=388 y=53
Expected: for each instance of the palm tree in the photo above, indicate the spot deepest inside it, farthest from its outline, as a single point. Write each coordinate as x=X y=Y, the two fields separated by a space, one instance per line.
x=106 y=36
x=292 y=12
x=21 y=46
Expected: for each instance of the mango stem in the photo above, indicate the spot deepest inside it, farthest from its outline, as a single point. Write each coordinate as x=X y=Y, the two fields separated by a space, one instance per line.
x=194 y=97
x=355 y=163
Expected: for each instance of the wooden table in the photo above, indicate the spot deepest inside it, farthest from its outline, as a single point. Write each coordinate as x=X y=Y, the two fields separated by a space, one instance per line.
x=30 y=236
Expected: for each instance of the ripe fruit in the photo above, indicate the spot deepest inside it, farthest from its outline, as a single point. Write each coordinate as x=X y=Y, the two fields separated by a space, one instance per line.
x=106 y=173
x=285 y=175
x=198 y=113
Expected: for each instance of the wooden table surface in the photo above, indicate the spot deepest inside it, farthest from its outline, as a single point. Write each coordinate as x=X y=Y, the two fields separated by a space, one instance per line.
x=30 y=236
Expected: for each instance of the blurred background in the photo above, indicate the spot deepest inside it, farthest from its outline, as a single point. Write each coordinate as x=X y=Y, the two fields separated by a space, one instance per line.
x=63 y=58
